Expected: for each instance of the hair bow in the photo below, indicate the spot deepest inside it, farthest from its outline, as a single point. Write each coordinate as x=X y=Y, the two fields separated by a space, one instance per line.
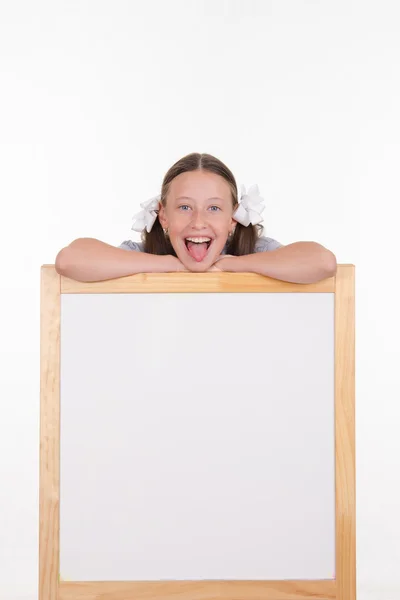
x=250 y=206
x=145 y=218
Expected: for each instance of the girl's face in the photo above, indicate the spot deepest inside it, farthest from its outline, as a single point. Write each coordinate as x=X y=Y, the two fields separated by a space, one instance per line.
x=198 y=215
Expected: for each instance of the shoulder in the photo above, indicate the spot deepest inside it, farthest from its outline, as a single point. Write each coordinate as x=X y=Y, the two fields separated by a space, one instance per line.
x=264 y=244
x=129 y=245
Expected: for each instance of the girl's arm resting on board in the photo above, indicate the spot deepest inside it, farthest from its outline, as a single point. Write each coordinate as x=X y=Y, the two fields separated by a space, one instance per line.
x=300 y=262
x=89 y=259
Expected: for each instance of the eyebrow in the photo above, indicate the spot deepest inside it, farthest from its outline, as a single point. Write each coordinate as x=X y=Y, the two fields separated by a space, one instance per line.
x=189 y=198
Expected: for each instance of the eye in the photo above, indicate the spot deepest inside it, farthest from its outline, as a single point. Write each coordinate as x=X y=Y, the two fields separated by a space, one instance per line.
x=183 y=206
x=215 y=207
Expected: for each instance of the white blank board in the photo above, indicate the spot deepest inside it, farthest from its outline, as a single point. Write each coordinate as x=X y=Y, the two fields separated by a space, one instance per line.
x=197 y=436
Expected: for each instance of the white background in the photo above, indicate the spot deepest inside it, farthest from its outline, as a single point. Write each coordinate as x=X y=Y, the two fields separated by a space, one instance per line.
x=99 y=98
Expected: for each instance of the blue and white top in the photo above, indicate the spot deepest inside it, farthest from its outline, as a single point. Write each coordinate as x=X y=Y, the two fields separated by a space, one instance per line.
x=263 y=244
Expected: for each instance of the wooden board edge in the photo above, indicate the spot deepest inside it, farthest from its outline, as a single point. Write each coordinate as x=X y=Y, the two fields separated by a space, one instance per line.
x=345 y=476
x=49 y=463
x=199 y=590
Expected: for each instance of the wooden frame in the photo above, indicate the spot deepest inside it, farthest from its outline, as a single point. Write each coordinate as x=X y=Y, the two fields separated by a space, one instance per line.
x=343 y=587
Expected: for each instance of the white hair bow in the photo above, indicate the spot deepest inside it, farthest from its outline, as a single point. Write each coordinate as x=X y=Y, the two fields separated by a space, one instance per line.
x=250 y=206
x=145 y=218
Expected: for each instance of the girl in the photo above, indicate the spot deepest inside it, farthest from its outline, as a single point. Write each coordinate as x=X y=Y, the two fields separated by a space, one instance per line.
x=198 y=224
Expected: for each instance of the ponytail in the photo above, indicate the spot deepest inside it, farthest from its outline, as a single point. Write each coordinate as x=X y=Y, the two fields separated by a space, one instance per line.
x=156 y=242
x=243 y=240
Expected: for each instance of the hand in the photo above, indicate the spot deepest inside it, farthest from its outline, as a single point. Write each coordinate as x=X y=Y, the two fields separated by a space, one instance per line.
x=181 y=267
x=215 y=266
x=174 y=265
x=222 y=256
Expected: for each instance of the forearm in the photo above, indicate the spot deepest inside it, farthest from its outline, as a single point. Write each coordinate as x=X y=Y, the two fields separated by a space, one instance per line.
x=300 y=262
x=89 y=259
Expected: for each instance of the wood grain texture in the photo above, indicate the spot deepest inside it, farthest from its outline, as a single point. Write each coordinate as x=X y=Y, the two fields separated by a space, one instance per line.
x=155 y=283
x=345 y=434
x=199 y=590
x=49 y=486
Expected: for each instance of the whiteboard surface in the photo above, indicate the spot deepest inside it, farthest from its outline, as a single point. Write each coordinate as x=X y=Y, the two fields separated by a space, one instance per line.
x=197 y=436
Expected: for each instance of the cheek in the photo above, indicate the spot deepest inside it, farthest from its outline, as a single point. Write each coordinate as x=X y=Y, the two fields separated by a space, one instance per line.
x=178 y=221
x=224 y=223
x=178 y=244
x=223 y=229
x=219 y=245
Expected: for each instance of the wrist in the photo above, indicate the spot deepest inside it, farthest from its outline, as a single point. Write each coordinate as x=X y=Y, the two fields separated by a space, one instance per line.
x=158 y=263
x=171 y=264
x=230 y=264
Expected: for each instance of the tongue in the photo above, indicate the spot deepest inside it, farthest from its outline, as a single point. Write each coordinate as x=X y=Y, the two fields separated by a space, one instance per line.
x=197 y=251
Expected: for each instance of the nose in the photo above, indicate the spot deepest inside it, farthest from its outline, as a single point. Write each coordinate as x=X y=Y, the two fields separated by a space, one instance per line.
x=198 y=220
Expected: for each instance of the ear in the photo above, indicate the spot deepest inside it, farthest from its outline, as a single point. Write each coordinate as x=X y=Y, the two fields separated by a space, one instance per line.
x=232 y=226
x=233 y=222
x=162 y=217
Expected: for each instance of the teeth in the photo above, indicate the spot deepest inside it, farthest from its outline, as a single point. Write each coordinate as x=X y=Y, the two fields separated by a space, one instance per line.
x=198 y=240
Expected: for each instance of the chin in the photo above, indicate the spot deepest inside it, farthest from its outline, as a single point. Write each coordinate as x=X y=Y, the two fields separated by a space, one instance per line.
x=198 y=267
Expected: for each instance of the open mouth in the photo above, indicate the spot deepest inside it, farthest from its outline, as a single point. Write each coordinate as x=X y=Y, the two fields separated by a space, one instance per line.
x=198 y=247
